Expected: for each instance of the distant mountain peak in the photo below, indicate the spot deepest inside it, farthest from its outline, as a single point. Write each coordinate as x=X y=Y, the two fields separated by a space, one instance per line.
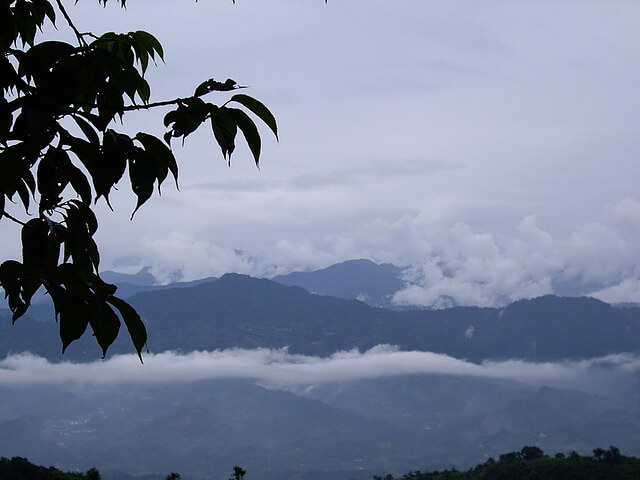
x=142 y=278
x=353 y=279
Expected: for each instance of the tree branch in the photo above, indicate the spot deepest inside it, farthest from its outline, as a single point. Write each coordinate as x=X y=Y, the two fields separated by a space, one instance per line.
x=10 y=217
x=175 y=101
x=81 y=40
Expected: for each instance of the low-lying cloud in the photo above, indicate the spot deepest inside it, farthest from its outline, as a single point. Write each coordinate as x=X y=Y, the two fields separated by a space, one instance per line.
x=279 y=369
x=447 y=263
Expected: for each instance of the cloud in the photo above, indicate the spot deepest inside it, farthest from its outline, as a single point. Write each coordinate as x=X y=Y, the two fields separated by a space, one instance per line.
x=627 y=290
x=279 y=369
x=470 y=268
x=446 y=263
x=465 y=266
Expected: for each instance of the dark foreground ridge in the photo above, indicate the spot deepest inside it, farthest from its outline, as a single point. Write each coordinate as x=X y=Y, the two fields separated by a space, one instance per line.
x=18 y=468
x=531 y=463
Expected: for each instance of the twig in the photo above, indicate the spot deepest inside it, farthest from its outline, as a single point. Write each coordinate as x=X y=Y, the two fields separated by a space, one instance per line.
x=129 y=108
x=10 y=217
x=81 y=40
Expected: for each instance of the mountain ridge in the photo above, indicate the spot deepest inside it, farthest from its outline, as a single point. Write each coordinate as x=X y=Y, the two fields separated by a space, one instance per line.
x=241 y=311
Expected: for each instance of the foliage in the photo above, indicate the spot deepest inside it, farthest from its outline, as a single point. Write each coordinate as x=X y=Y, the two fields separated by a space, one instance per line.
x=18 y=468
x=238 y=473
x=60 y=153
x=531 y=463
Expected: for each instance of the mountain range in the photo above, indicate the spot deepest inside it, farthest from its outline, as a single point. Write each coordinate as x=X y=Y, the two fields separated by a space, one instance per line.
x=333 y=428
x=240 y=311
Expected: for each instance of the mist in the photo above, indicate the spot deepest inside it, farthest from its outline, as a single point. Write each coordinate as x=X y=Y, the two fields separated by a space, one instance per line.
x=281 y=370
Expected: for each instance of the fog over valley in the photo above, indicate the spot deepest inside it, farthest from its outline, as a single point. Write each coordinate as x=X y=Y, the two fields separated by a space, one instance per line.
x=290 y=416
x=280 y=370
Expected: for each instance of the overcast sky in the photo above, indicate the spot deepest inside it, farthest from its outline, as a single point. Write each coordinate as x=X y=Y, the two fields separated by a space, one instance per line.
x=492 y=146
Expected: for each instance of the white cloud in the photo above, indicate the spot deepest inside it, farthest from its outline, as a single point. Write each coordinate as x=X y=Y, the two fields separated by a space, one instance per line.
x=470 y=267
x=279 y=369
x=627 y=290
x=447 y=263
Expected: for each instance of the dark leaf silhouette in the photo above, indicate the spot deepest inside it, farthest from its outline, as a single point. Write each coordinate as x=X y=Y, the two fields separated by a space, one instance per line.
x=60 y=152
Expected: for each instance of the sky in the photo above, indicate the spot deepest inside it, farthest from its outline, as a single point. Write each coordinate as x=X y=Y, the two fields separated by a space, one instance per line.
x=489 y=147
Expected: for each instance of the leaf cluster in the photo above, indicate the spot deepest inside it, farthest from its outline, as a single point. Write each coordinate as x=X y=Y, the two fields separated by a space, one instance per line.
x=60 y=152
x=225 y=121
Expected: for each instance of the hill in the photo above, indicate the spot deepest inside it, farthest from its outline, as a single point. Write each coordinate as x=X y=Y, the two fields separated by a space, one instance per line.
x=240 y=311
x=531 y=463
x=18 y=468
x=363 y=280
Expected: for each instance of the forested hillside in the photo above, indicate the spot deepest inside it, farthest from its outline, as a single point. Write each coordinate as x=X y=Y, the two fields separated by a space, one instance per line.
x=530 y=463
x=245 y=312
x=18 y=468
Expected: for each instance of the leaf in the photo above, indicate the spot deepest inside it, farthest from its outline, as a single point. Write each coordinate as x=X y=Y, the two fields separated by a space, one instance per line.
x=111 y=163
x=134 y=324
x=249 y=130
x=10 y=271
x=149 y=42
x=102 y=289
x=45 y=8
x=53 y=177
x=78 y=242
x=54 y=173
x=89 y=218
x=74 y=280
x=110 y=102
x=6 y=119
x=88 y=130
x=79 y=182
x=142 y=173
x=33 y=254
x=23 y=193
x=143 y=57
x=43 y=56
x=224 y=130
x=104 y=323
x=160 y=153
x=143 y=89
x=11 y=275
x=187 y=117
x=104 y=166
x=72 y=315
x=259 y=109
x=212 y=85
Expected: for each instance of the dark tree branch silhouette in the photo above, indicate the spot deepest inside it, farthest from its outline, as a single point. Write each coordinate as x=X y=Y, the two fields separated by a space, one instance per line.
x=59 y=151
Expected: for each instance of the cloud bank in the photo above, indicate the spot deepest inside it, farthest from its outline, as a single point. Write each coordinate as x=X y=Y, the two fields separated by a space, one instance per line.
x=279 y=369
x=446 y=263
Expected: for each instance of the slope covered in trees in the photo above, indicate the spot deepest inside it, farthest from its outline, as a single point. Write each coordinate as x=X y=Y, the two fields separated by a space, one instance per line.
x=530 y=463
x=18 y=468
x=240 y=311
